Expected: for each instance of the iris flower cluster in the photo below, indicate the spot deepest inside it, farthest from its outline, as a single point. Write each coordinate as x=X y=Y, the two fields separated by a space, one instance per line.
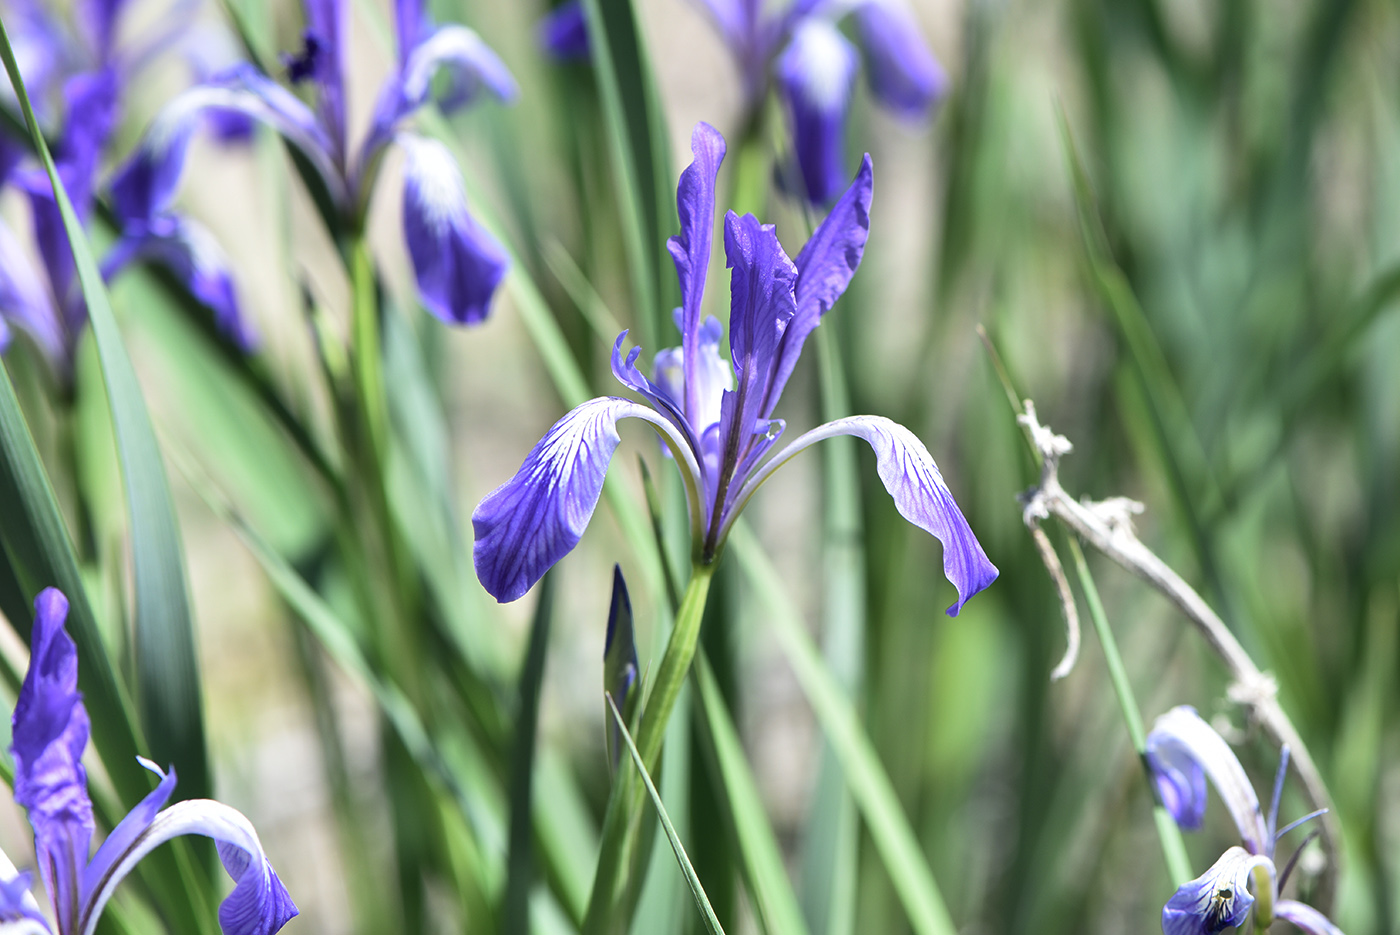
x=814 y=65
x=50 y=733
x=458 y=264
x=1183 y=751
x=718 y=421
x=77 y=75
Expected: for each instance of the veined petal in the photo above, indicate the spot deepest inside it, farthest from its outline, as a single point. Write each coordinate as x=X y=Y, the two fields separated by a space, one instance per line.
x=903 y=73
x=912 y=478
x=259 y=903
x=816 y=72
x=124 y=835
x=457 y=262
x=1216 y=900
x=563 y=33
x=536 y=518
x=49 y=736
x=690 y=249
x=1182 y=734
x=824 y=268
x=26 y=301
x=1305 y=917
x=190 y=252
x=762 y=302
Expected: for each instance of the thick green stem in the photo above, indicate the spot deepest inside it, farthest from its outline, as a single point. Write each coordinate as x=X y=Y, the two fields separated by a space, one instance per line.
x=1173 y=848
x=620 y=825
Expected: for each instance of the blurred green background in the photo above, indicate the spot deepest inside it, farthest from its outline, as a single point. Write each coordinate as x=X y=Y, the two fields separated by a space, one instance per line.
x=1240 y=379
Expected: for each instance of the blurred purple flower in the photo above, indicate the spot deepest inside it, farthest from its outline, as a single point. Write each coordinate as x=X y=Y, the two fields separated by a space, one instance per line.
x=718 y=423
x=457 y=262
x=814 y=66
x=1184 y=751
x=49 y=737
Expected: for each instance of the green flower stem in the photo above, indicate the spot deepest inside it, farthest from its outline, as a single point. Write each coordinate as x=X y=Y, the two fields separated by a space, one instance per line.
x=1173 y=848
x=622 y=822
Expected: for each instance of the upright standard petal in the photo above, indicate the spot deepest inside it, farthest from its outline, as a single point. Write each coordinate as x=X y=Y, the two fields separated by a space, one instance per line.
x=259 y=903
x=50 y=732
x=690 y=249
x=762 y=303
x=824 y=269
x=328 y=27
x=903 y=73
x=816 y=72
x=563 y=33
x=1306 y=918
x=536 y=518
x=411 y=19
x=1181 y=734
x=457 y=262
x=1216 y=900
x=93 y=105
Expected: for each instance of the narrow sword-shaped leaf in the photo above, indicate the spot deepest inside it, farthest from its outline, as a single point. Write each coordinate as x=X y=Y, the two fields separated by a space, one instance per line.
x=170 y=703
x=702 y=902
x=762 y=865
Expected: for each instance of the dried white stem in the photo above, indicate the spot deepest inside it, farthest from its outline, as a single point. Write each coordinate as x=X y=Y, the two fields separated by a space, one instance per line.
x=1107 y=526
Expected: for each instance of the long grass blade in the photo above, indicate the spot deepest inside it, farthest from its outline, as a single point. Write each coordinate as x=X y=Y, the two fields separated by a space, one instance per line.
x=865 y=776
x=170 y=702
x=702 y=902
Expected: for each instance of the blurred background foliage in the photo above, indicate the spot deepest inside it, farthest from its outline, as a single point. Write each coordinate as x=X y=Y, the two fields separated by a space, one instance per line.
x=1211 y=322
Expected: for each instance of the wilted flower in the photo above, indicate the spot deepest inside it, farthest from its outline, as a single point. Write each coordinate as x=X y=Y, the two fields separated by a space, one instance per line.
x=458 y=264
x=1183 y=751
x=50 y=735
x=718 y=422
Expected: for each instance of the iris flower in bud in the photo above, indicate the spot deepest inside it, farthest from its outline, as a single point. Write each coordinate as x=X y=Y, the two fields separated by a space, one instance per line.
x=620 y=672
x=50 y=735
x=1183 y=752
x=717 y=421
x=457 y=262
x=564 y=33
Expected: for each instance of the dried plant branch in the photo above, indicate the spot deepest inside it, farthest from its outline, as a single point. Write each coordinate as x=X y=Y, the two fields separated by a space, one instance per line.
x=1067 y=606
x=1107 y=526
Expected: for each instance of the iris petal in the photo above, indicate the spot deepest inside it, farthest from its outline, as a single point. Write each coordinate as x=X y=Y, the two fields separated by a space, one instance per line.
x=816 y=72
x=824 y=269
x=457 y=262
x=1216 y=900
x=690 y=249
x=25 y=300
x=49 y=736
x=762 y=302
x=1181 y=735
x=193 y=256
x=135 y=824
x=913 y=480
x=327 y=21
x=902 y=71
x=1305 y=917
x=536 y=518
x=259 y=903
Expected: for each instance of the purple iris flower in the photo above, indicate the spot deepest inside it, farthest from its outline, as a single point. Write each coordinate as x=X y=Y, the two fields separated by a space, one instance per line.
x=50 y=735
x=87 y=79
x=458 y=264
x=717 y=421
x=815 y=67
x=1183 y=751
